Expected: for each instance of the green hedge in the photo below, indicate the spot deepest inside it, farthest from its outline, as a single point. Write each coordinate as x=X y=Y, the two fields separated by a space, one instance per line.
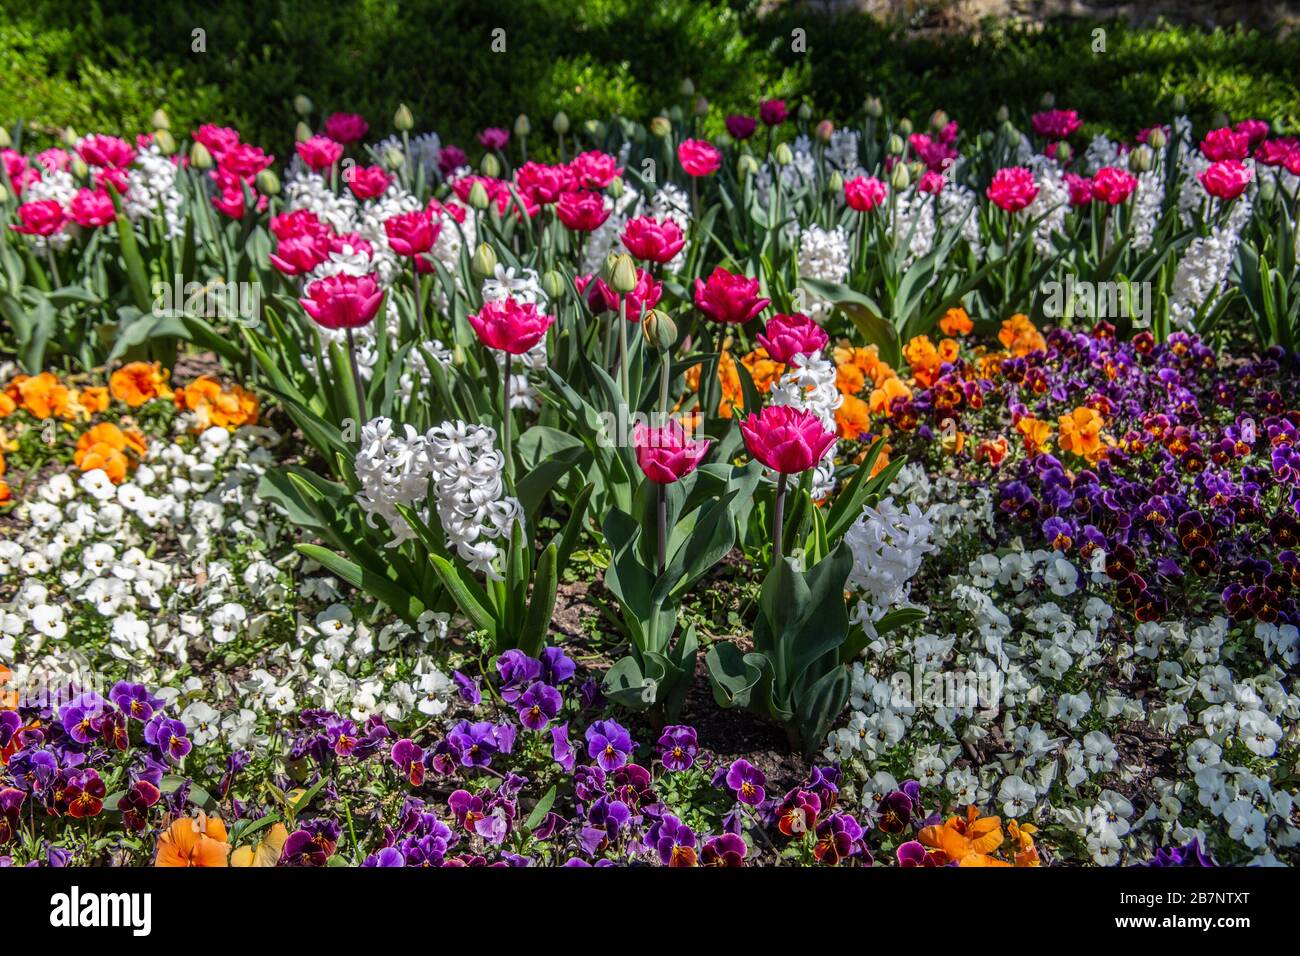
x=107 y=64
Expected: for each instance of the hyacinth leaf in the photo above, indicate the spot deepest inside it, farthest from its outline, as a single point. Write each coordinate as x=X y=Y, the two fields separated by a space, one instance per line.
x=468 y=594
x=401 y=602
x=136 y=274
x=541 y=604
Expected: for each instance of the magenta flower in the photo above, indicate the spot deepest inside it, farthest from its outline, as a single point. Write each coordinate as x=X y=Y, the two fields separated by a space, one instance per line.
x=508 y=326
x=786 y=439
x=746 y=782
x=92 y=208
x=1056 y=124
x=666 y=454
x=368 y=182
x=582 y=211
x=1225 y=143
x=1012 y=189
x=699 y=157
x=412 y=233
x=789 y=335
x=864 y=193
x=1226 y=179
x=594 y=169
x=741 y=127
x=653 y=240
x=346 y=128
x=1112 y=186
x=494 y=137
x=343 y=301
x=773 y=112
x=729 y=298
x=41 y=218
x=319 y=152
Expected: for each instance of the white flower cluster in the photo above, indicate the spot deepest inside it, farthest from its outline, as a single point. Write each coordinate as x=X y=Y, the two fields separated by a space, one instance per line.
x=152 y=193
x=888 y=544
x=1202 y=271
x=460 y=465
x=913 y=224
x=809 y=384
x=823 y=254
x=1053 y=195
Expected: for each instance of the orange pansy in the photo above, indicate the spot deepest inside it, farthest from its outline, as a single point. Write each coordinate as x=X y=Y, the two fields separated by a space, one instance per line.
x=138 y=382
x=191 y=842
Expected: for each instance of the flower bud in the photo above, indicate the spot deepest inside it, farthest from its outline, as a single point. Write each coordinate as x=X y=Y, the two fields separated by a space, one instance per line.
x=561 y=123
x=675 y=114
x=1003 y=115
x=595 y=129
x=1267 y=189
x=783 y=155
x=200 y=158
x=302 y=132
x=553 y=284
x=490 y=166
x=824 y=130
x=4 y=193
x=804 y=112
x=5 y=141
x=484 y=262
x=301 y=105
x=1157 y=139
x=163 y=140
x=394 y=158
x=1048 y=101
x=79 y=168
x=1141 y=159
x=622 y=277
x=938 y=120
x=986 y=138
x=900 y=178
x=70 y=137
x=835 y=184
x=616 y=187
x=701 y=106
x=478 y=197
x=522 y=126
x=402 y=119
x=747 y=165
x=660 y=126
x=159 y=120
x=268 y=183
x=894 y=145
x=1179 y=103
x=688 y=88
x=916 y=169
x=659 y=330
x=1064 y=152
x=905 y=126
x=874 y=108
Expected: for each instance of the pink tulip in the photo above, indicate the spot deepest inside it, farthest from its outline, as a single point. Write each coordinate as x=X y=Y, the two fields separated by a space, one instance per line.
x=1224 y=143
x=864 y=193
x=343 y=301
x=1080 y=189
x=368 y=182
x=218 y=140
x=42 y=218
x=1012 y=189
x=582 y=211
x=99 y=150
x=346 y=128
x=300 y=222
x=698 y=157
x=1271 y=152
x=1113 y=186
x=245 y=161
x=1056 y=124
x=450 y=159
x=653 y=240
x=509 y=326
x=594 y=169
x=932 y=182
x=1255 y=130
x=1226 y=179
x=789 y=335
x=786 y=439
x=729 y=298
x=319 y=153
x=741 y=127
x=494 y=137
x=92 y=208
x=543 y=184
x=412 y=233
x=666 y=454
x=300 y=254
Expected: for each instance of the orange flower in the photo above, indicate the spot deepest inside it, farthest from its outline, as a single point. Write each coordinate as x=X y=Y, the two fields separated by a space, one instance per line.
x=1022 y=835
x=214 y=405
x=7 y=405
x=106 y=446
x=992 y=450
x=266 y=853
x=8 y=698
x=956 y=322
x=93 y=398
x=1021 y=336
x=731 y=394
x=43 y=395
x=138 y=382
x=1037 y=434
x=883 y=396
x=969 y=840
x=1081 y=433
x=924 y=359
x=849 y=378
x=852 y=418
x=191 y=842
x=5 y=494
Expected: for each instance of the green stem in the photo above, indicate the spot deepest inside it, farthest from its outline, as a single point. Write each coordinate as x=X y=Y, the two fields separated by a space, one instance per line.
x=624 y=377
x=661 y=510
x=356 y=381
x=778 y=519
x=505 y=419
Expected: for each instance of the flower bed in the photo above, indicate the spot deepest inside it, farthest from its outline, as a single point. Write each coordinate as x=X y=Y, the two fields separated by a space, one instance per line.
x=812 y=495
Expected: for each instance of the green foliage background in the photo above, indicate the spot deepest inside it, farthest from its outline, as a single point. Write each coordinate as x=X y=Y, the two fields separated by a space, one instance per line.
x=107 y=64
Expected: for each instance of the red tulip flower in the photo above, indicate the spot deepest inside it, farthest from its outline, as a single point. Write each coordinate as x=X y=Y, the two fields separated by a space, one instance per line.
x=789 y=335
x=319 y=152
x=786 y=439
x=412 y=233
x=582 y=211
x=699 y=157
x=666 y=454
x=653 y=240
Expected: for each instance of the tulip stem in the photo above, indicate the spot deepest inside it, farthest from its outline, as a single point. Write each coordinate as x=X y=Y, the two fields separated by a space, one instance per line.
x=778 y=519
x=661 y=510
x=356 y=381
x=624 y=377
x=665 y=373
x=505 y=418
x=419 y=302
